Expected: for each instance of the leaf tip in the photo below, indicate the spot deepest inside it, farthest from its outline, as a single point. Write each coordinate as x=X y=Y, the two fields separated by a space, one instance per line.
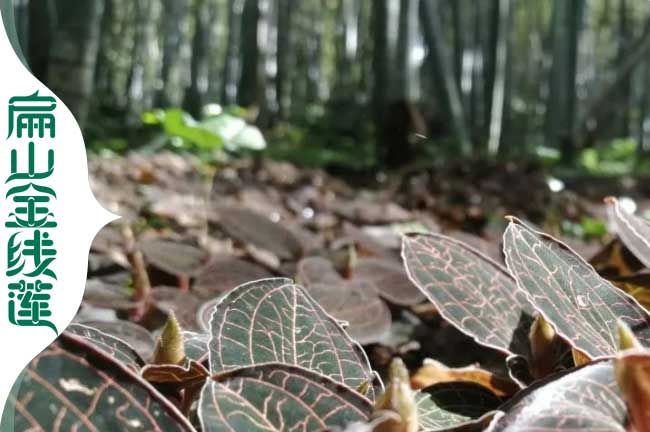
x=399 y=398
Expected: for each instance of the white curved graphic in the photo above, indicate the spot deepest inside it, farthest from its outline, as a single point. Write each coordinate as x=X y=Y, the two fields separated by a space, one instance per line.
x=48 y=216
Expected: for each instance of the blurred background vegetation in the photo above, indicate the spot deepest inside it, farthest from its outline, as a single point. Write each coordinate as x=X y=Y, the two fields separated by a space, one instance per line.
x=356 y=84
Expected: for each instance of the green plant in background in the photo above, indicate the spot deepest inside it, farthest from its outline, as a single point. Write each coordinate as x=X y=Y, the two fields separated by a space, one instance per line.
x=217 y=132
x=341 y=137
x=587 y=228
x=618 y=157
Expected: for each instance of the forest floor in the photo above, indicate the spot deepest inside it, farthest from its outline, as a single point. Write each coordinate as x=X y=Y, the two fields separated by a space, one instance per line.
x=203 y=231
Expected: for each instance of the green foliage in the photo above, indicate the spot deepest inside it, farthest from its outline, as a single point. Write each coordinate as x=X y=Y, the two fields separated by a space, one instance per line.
x=587 y=228
x=222 y=131
x=326 y=138
x=616 y=158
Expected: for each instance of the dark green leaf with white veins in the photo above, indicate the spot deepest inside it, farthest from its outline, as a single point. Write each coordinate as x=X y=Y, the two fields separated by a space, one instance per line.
x=586 y=399
x=274 y=320
x=471 y=291
x=135 y=335
x=72 y=385
x=196 y=345
x=450 y=405
x=278 y=398
x=633 y=231
x=111 y=345
x=582 y=306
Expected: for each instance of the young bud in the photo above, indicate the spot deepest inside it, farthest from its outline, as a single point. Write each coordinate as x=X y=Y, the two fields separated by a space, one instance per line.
x=169 y=346
x=626 y=339
x=398 y=398
x=542 y=337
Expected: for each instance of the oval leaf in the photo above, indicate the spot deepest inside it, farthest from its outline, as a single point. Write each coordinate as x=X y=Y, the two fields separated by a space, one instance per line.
x=581 y=306
x=585 y=399
x=184 y=305
x=356 y=303
x=391 y=281
x=252 y=228
x=278 y=398
x=173 y=257
x=472 y=292
x=135 y=335
x=112 y=346
x=224 y=273
x=633 y=231
x=274 y=320
x=72 y=385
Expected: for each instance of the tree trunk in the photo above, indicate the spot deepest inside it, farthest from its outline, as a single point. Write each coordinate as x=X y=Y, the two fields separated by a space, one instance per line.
x=174 y=22
x=499 y=88
x=561 y=105
x=232 y=64
x=196 y=93
x=380 y=68
x=42 y=21
x=248 y=87
x=438 y=54
x=626 y=86
x=142 y=76
x=74 y=52
x=284 y=55
x=644 y=117
x=601 y=105
x=408 y=14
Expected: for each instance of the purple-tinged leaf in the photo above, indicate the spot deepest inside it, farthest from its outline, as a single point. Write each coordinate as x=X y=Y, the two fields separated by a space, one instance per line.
x=274 y=320
x=258 y=230
x=585 y=399
x=366 y=244
x=582 y=307
x=352 y=301
x=317 y=270
x=356 y=303
x=72 y=385
x=633 y=231
x=370 y=212
x=471 y=291
x=112 y=346
x=224 y=273
x=184 y=305
x=278 y=398
x=173 y=257
x=389 y=278
x=110 y=296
